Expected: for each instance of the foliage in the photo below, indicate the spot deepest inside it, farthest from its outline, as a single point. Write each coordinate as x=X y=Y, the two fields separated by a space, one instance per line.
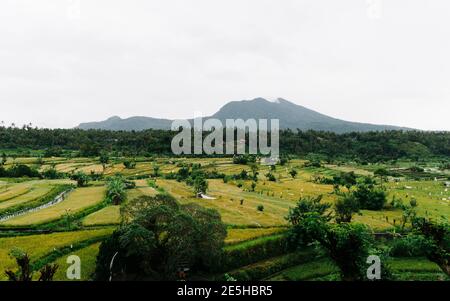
x=129 y=164
x=260 y=208
x=368 y=146
x=52 y=173
x=271 y=177
x=305 y=206
x=104 y=159
x=25 y=272
x=19 y=171
x=436 y=237
x=160 y=240
x=116 y=190
x=246 y=253
x=244 y=159
x=345 y=206
x=382 y=173
x=293 y=172
x=408 y=246
x=369 y=197
x=81 y=178
x=200 y=185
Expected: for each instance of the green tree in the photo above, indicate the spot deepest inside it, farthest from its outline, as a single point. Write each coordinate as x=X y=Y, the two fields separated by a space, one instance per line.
x=4 y=159
x=293 y=173
x=271 y=177
x=81 y=178
x=129 y=164
x=156 y=169
x=200 y=185
x=436 y=237
x=116 y=190
x=25 y=271
x=104 y=160
x=254 y=167
x=160 y=240
x=345 y=206
x=382 y=173
x=369 y=197
x=307 y=205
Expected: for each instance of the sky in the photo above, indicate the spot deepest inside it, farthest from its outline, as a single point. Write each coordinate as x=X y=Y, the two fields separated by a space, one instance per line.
x=63 y=62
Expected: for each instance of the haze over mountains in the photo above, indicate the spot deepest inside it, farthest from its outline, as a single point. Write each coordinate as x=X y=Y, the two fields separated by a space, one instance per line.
x=291 y=116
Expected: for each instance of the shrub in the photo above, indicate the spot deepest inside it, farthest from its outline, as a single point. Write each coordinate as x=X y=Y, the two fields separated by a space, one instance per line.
x=409 y=246
x=345 y=206
x=129 y=164
x=254 y=251
x=81 y=178
x=115 y=190
x=19 y=171
x=369 y=197
x=160 y=240
x=271 y=177
x=260 y=208
x=52 y=173
x=264 y=269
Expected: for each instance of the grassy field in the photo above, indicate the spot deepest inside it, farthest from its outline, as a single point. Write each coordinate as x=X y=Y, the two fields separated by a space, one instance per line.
x=419 y=269
x=306 y=271
x=237 y=205
x=24 y=192
x=40 y=245
x=228 y=202
x=107 y=216
x=76 y=201
x=239 y=235
x=88 y=258
x=10 y=191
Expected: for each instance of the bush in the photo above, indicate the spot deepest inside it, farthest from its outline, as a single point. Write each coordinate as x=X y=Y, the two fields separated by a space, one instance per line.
x=254 y=251
x=261 y=270
x=81 y=178
x=52 y=174
x=129 y=164
x=244 y=159
x=19 y=171
x=369 y=197
x=409 y=246
x=271 y=177
x=260 y=208
x=160 y=240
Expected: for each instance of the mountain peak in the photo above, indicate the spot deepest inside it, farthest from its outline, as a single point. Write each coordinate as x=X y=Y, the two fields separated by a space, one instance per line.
x=290 y=115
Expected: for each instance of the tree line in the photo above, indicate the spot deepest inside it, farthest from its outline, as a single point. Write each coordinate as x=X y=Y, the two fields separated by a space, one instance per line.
x=365 y=147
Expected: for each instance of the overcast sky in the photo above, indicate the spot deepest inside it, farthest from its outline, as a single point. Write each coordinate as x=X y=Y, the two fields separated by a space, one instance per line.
x=63 y=62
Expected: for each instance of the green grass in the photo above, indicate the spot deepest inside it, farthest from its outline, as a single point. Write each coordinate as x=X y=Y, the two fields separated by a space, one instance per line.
x=88 y=258
x=235 y=236
x=253 y=242
x=306 y=271
x=40 y=245
x=109 y=215
x=403 y=269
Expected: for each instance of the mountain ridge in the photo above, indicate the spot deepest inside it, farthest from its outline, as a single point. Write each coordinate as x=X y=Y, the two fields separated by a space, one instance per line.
x=291 y=116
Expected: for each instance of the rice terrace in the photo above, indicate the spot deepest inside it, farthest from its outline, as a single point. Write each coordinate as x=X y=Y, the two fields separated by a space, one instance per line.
x=249 y=148
x=56 y=202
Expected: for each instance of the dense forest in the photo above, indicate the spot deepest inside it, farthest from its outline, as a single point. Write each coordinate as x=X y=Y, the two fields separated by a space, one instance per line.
x=370 y=147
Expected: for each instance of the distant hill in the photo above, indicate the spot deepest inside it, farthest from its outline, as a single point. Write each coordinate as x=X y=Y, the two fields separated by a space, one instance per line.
x=291 y=116
x=137 y=123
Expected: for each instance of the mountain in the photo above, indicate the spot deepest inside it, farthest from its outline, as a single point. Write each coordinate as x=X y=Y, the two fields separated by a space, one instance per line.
x=137 y=123
x=291 y=116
